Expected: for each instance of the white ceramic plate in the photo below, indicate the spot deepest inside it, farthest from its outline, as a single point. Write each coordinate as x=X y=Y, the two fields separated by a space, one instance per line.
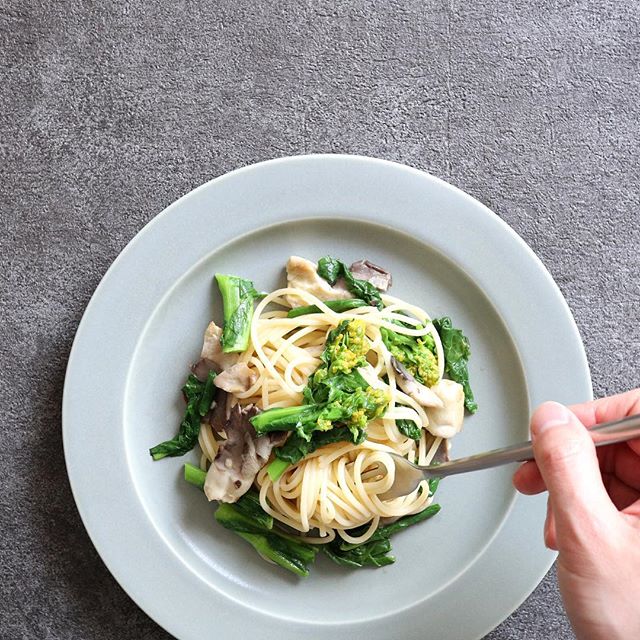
x=456 y=576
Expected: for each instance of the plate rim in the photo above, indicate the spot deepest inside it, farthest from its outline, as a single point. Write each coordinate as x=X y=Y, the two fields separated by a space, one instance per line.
x=297 y=159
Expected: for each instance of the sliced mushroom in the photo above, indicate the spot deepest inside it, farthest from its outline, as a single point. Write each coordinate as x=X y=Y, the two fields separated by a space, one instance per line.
x=236 y=379
x=202 y=367
x=240 y=456
x=303 y=274
x=446 y=421
x=212 y=355
x=218 y=417
x=420 y=393
x=364 y=270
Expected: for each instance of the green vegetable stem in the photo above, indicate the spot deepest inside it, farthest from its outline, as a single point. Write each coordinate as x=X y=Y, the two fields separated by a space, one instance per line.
x=368 y=554
x=339 y=306
x=194 y=475
x=294 y=557
x=409 y=428
x=238 y=296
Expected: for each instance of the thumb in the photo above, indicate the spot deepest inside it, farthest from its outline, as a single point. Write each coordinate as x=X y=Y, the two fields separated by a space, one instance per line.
x=566 y=457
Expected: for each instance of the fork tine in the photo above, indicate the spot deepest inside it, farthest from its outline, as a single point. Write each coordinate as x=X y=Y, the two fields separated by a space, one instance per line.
x=407 y=478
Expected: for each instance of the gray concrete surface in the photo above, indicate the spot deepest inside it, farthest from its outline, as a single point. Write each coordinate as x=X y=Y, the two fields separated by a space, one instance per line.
x=111 y=110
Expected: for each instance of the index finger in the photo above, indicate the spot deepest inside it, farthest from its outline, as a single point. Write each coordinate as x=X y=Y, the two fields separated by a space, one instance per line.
x=608 y=409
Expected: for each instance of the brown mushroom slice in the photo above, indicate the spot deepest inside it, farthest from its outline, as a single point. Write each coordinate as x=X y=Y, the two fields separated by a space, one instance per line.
x=239 y=457
x=422 y=394
x=303 y=274
x=364 y=270
x=217 y=416
x=212 y=355
x=446 y=421
x=236 y=379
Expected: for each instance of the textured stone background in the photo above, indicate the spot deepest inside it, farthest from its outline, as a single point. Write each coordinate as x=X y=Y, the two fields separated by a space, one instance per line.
x=111 y=110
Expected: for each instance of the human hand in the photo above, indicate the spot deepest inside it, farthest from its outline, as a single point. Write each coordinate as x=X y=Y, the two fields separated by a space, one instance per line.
x=593 y=513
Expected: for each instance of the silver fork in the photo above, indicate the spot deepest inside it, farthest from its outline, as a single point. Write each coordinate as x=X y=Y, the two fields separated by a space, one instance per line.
x=409 y=475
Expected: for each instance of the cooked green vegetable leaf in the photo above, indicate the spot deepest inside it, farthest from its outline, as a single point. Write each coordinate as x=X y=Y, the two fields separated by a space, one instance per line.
x=208 y=394
x=238 y=295
x=199 y=396
x=409 y=428
x=369 y=554
x=416 y=354
x=331 y=269
x=339 y=306
x=456 y=358
x=385 y=532
x=406 y=521
x=192 y=387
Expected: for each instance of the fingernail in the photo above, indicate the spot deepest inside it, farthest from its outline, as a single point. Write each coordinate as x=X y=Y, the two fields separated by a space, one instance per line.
x=548 y=416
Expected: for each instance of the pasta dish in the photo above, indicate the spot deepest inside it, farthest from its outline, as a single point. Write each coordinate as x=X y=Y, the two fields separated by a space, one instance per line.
x=300 y=397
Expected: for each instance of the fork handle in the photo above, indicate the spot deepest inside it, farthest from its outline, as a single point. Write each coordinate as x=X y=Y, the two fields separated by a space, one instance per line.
x=602 y=434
